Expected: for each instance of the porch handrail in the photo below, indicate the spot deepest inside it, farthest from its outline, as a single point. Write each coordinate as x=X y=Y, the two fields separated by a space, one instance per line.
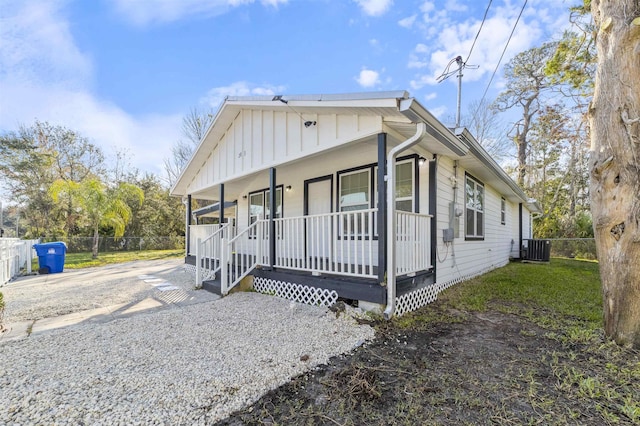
x=242 y=253
x=202 y=232
x=413 y=242
x=208 y=253
x=340 y=242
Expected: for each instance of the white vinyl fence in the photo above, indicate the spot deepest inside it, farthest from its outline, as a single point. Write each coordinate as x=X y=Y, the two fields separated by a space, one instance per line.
x=15 y=255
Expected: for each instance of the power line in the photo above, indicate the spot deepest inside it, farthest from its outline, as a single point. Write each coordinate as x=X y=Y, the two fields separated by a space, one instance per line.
x=513 y=30
x=484 y=18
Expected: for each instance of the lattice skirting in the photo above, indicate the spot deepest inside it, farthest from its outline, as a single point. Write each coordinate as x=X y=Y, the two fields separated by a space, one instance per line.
x=296 y=292
x=423 y=296
x=207 y=274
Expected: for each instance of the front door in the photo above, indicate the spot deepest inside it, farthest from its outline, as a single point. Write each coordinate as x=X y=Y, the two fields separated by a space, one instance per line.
x=318 y=202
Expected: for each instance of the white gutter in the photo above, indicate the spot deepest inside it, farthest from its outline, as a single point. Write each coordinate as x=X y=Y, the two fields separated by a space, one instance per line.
x=421 y=130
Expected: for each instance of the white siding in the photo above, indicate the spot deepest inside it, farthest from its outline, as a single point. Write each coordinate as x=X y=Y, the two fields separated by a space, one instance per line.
x=466 y=258
x=258 y=139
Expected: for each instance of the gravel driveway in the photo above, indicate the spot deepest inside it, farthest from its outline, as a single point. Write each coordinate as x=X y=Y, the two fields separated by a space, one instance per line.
x=45 y=296
x=189 y=365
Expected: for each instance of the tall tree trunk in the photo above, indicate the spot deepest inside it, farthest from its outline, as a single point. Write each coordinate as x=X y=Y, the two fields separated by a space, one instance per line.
x=96 y=240
x=615 y=165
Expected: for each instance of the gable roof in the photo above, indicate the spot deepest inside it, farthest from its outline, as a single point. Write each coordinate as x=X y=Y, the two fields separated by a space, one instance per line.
x=399 y=113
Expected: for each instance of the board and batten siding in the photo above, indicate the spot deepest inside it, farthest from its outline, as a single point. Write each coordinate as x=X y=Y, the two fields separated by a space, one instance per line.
x=469 y=257
x=259 y=139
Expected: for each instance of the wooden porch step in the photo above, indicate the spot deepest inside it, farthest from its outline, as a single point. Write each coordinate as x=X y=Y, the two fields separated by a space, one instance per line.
x=213 y=286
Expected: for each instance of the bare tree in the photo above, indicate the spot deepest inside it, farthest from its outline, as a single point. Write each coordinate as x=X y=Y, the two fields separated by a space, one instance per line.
x=615 y=165
x=194 y=128
x=489 y=130
x=526 y=81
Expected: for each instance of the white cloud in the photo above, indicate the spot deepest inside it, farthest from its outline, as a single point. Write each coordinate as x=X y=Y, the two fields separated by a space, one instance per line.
x=374 y=7
x=427 y=6
x=38 y=47
x=421 y=48
x=144 y=12
x=408 y=22
x=439 y=112
x=216 y=95
x=454 y=6
x=447 y=38
x=45 y=76
x=430 y=96
x=368 y=78
x=416 y=62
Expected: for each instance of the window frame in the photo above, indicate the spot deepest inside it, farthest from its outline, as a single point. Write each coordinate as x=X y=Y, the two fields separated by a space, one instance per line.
x=373 y=186
x=265 y=193
x=503 y=211
x=475 y=236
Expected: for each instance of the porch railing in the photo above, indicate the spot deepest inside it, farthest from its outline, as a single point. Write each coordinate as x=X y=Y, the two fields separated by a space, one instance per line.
x=15 y=254
x=208 y=253
x=199 y=232
x=342 y=243
x=413 y=242
x=338 y=243
x=242 y=253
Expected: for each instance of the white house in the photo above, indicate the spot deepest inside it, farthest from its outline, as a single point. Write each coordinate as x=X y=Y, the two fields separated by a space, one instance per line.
x=364 y=196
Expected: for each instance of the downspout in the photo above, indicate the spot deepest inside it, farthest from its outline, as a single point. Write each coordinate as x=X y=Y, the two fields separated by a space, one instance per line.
x=421 y=129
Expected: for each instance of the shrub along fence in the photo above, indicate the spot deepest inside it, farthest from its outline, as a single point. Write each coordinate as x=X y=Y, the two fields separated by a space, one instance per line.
x=579 y=248
x=106 y=244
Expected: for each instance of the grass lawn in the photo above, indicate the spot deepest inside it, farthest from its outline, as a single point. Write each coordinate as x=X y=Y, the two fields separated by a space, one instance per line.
x=84 y=260
x=523 y=344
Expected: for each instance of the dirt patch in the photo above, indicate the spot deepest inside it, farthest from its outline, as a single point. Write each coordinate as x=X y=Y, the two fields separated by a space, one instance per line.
x=474 y=368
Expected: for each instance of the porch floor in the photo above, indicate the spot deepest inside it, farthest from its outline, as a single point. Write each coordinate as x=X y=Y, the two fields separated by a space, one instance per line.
x=347 y=287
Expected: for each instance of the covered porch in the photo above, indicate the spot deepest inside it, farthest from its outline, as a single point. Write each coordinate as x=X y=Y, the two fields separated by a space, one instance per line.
x=338 y=251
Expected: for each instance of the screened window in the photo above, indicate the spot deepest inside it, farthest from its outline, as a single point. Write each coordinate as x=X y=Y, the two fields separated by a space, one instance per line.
x=503 y=211
x=474 y=202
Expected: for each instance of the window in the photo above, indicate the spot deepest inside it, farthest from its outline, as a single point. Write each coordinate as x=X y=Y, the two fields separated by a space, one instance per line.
x=355 y=190
x=474 y=202
x=259 y=204
x=503 y=211
x=405 y=185
x=358 y=189
x=355 y=194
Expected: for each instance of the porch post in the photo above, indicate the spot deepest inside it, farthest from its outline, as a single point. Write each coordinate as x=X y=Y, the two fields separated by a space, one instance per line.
x=433 y=204
x=520 y=231
x=382 y=207
x=272 y=215
x=187 y=231
x=221 y=212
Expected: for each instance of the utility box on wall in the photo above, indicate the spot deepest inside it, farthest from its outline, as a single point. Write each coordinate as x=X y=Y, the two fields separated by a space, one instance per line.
x=447 y=235
x=455 y=212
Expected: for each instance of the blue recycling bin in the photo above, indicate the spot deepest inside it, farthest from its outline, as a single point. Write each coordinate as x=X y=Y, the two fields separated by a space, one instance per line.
x=51 y=257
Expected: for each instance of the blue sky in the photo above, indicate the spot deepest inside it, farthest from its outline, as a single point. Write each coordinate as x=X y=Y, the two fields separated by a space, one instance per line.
x=125 y=72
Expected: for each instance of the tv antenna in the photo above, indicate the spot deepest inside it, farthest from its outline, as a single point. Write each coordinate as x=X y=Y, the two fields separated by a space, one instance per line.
x=448 y=72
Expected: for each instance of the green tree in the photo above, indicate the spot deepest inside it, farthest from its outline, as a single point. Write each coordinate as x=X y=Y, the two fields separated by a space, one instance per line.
x=31 y=159
x=101 y=205
x=159 y=214
x=574 y=61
